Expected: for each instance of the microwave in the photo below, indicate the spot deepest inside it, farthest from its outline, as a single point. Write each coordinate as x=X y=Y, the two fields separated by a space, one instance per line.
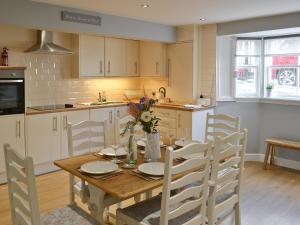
x=12 y=91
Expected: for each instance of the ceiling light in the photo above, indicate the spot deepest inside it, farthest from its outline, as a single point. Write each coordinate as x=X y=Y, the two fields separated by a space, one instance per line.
x=145 y=5
x=202 y=19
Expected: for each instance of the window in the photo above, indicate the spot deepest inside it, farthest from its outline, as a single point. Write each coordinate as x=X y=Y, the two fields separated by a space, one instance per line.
x=267 y=62
x=247 y=68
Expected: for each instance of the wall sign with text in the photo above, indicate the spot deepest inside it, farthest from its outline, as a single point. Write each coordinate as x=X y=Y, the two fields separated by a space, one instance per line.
x=80 y=18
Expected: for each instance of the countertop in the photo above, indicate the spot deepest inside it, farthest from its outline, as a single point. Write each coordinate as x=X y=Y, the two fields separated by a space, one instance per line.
x=30 y=111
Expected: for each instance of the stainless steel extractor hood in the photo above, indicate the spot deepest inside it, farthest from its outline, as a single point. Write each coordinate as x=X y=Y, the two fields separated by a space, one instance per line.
x=45 y=45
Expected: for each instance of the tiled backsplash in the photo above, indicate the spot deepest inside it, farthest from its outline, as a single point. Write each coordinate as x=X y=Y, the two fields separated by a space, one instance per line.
x=48 y=80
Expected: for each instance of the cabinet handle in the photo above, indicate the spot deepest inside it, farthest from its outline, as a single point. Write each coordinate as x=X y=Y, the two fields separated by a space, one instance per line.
x=18 y=129
x=108 y=70
x=169 y=73
x=136 y=67
x=54 y=123
x=156 y=69
x=118 y=113
x=101 y=67
x=179 y=121
x=110 y=116
x=65 y=122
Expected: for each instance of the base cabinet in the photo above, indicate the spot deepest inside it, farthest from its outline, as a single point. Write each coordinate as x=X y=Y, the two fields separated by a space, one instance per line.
x=12 y=133
x=43 y=138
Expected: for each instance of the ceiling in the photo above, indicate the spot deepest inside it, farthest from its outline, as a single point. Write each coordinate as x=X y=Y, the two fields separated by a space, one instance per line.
x=179 y=12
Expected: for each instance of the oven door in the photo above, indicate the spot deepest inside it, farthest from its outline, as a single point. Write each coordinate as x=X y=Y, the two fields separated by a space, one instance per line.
x=12 y=99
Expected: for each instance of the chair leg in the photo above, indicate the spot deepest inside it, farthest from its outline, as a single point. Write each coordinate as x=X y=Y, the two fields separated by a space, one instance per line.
x=268 y=146
x=237 y=214
x=72 y=196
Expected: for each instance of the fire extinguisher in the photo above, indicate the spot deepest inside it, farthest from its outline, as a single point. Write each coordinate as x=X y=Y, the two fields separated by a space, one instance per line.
x=5 y=57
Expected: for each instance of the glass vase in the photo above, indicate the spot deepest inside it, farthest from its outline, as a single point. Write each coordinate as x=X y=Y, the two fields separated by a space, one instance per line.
x=152 y=149
x=132 y=148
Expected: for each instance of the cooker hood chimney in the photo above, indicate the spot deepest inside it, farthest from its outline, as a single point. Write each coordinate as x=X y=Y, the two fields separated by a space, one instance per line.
x=45 y=45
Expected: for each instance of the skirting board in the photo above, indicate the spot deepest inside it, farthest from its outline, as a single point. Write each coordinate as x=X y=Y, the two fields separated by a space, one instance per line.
x=292 y=164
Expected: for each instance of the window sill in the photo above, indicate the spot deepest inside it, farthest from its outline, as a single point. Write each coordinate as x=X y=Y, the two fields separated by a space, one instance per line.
x=278 y=101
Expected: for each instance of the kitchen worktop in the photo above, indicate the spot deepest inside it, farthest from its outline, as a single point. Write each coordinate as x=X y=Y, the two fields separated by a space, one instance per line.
x=30 y=111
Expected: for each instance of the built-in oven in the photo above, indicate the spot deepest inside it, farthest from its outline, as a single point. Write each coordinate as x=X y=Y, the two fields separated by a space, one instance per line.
x=12 y=93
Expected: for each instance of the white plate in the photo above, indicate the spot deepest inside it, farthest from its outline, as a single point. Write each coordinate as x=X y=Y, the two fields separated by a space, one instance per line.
x=152 y=168
x=195 y=155
x=99 y=167
x=143 y=143
x=111 y=152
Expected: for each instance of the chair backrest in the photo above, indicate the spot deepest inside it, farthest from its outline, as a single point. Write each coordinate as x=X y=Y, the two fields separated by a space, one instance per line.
x=86 y=136
x=220 y=125
x=120 y=126
x=22 y=188
x=226 y=173
x=191 y=197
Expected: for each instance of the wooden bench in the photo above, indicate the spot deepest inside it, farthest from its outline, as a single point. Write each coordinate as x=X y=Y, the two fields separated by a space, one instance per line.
x=272 y=143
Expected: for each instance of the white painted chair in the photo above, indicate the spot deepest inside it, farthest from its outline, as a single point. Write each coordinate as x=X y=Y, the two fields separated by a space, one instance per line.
x=23 y=196
x=226 y=175
x=220 y=125
x=187 y=207
x=84 y=137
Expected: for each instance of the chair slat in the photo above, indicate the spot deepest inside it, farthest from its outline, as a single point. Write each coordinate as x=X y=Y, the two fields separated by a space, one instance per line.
x=187 y=179
x=227 y=204
x=229 y=163
x=222 y=117
x=191 y=148
x=20 y=189
x=222 y=126
x=13 y=157
x=87 y=134
x=17 y=173
x=230 y=151
x=232 y=174
x=227 y=187
x=86 y=145
x=217 y=133
x=194 y=191
x=195 y=221
x=87 y=124
x=184 y=208
x=21 y=204
x=21 y=218
x=189 y=164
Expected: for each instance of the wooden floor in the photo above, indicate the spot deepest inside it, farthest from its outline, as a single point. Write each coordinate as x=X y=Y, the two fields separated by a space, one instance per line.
x=269 y=197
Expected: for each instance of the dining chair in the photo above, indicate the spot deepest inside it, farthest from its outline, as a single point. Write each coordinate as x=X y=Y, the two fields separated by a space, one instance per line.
x=23 y=196
x=185 y=207
x=220 y=125
x=84 y=137
x=226 y=176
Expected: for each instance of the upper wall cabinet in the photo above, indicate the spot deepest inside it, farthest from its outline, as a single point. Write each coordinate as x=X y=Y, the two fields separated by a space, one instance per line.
x=153 y=59
x=91 y=56
x=132 y=49
x=115 y=55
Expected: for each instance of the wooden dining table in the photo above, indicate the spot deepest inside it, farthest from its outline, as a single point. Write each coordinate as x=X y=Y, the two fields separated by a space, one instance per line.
x=122 y=186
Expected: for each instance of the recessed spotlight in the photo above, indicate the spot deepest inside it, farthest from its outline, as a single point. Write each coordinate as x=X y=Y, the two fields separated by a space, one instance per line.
x=145 y=5
x=202 y=19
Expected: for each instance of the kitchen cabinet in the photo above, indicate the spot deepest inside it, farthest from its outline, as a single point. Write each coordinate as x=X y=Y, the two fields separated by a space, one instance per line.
x=174 y=121
x=11 y=132
x=152 y=59
x=43 y=136
x=91 y=56
x=121 y=111
x=73 y=117
x=132 y=57
x=180 y=71
x=115 y=55
x=108 y=115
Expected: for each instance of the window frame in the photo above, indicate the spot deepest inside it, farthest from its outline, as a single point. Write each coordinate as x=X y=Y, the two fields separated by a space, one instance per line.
x=261 y=76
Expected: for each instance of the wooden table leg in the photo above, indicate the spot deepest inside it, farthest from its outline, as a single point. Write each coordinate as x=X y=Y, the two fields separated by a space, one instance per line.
x=273 y=155
x=267 y=153
x=96 y=203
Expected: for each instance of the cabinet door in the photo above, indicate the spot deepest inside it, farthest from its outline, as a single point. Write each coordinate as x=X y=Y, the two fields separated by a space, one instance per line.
x=11 y=132
x=115 y=57
x=121 y=111
x=153 y=58
x=108 y=115
x=73 y=117
x=91 y=54
x=180 y=71
x=43 y=137
x=132 y=57
x=184 y=122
